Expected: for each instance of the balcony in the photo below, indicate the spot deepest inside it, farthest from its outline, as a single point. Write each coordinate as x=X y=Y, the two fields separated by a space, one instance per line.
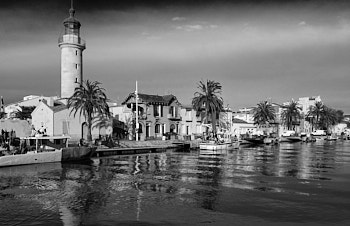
x=71 y=39
x=174 y=117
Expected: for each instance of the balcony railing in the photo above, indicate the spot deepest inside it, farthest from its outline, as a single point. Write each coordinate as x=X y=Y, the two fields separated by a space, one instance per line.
x=174 y=117
x=71 y=39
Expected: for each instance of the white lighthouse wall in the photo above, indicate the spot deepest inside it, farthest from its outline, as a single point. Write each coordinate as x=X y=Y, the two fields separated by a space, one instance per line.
x=71 y=69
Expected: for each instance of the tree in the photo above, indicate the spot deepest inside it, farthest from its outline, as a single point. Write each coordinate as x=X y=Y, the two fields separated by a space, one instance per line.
x=2 y=114
x=90 y=100
x=329 y=117
x=314 y=114
x=208 y=97
x=291 y=115
x=264 y=114
x=25 y=112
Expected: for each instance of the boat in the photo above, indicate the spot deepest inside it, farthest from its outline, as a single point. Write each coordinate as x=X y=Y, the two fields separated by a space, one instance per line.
x=290 y=136
x=45 y=149
x=223 y=141
x=319 y=135
x=291 y=139
x=214 y=145
x=331 y=137
x=256 y=140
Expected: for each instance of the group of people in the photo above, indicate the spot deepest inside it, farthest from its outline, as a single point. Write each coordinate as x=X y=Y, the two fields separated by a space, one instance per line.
x=7 y=137
x=8 y=142
x=41 y=131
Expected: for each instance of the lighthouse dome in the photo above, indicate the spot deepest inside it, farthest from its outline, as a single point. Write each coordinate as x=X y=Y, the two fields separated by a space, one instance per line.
x=71 y=19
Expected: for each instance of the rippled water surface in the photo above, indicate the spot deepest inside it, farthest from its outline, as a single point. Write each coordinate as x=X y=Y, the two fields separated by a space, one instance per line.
x=289 y=184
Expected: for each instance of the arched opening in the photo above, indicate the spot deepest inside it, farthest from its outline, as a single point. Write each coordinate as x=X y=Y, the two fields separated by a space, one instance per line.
x=172 y=128
x=84 y=130
x=157 y=129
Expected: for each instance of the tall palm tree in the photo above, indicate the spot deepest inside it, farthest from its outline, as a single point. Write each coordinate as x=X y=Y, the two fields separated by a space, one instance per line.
x=90 y=100
x=264 y=113
x=208 y=97
x=314 y=114
x=291 y=115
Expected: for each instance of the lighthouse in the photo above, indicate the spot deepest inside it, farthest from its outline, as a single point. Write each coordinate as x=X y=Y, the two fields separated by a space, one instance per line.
x=72 y=47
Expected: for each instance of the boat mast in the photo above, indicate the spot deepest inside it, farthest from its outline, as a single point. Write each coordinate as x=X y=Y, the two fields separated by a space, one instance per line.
x=137 y=114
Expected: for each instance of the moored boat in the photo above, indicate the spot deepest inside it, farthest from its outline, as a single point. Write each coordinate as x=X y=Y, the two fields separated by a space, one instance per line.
x=213 y=145
x=259 y=140
x=46 y=149
x=290 y=136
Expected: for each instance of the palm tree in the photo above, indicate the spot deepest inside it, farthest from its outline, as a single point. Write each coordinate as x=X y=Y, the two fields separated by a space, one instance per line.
x=25 y=112
x=208 y=98
x=329 y=117
x=291 y=115
x=264 y=113
x=315 y=112
x=91 y=101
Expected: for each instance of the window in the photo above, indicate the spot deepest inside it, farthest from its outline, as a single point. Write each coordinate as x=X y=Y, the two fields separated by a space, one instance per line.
x=155 y=110
x=76 y=66
x=172 y=128
x=76 y=52
x=65 y=127
x=157 y=128
x=158 y=110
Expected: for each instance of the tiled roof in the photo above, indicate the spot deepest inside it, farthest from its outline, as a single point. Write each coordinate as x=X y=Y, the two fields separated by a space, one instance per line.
x=152 y=99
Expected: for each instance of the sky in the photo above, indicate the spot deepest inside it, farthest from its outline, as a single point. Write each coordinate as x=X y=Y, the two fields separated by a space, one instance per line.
x=256 y=49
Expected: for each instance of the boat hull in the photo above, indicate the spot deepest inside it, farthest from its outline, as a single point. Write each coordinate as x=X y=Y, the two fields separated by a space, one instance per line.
x=291 y=139
x=59 y=155
x=256 y=141
x=218 y=146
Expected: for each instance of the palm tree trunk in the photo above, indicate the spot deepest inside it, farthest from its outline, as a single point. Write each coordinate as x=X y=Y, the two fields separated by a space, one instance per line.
x=89 y=134
x=213 y=122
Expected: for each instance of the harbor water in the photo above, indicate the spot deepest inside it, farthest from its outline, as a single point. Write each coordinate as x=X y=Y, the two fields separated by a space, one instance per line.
x=289 y=184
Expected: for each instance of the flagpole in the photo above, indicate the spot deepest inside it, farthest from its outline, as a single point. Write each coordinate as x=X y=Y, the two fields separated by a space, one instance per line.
x=137 y=114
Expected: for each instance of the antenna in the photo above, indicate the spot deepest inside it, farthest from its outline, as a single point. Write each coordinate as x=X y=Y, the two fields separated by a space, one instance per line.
x=71 y=10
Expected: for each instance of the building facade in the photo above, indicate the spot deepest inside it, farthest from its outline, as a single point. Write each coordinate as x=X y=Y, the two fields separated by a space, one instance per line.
x=157 y=115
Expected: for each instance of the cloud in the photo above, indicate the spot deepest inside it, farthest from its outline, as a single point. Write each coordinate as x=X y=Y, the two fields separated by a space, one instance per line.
x=178 y=19
x=302 y=23
x=190 y=28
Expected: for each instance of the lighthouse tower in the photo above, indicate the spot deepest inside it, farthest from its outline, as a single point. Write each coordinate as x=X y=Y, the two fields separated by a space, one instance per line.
x=72 y=47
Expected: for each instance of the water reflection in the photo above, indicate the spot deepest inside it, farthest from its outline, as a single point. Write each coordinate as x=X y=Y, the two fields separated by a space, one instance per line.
x=285 y=183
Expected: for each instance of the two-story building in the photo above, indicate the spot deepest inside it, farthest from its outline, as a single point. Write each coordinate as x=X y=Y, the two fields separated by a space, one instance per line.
x=157 y=115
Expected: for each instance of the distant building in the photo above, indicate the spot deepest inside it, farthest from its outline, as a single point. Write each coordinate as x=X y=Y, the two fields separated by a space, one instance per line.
x=245 y=114
x=28 y=101
x=241 y=127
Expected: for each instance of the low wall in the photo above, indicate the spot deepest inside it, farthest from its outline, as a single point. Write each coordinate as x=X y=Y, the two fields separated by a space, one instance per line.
x=148 y=143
